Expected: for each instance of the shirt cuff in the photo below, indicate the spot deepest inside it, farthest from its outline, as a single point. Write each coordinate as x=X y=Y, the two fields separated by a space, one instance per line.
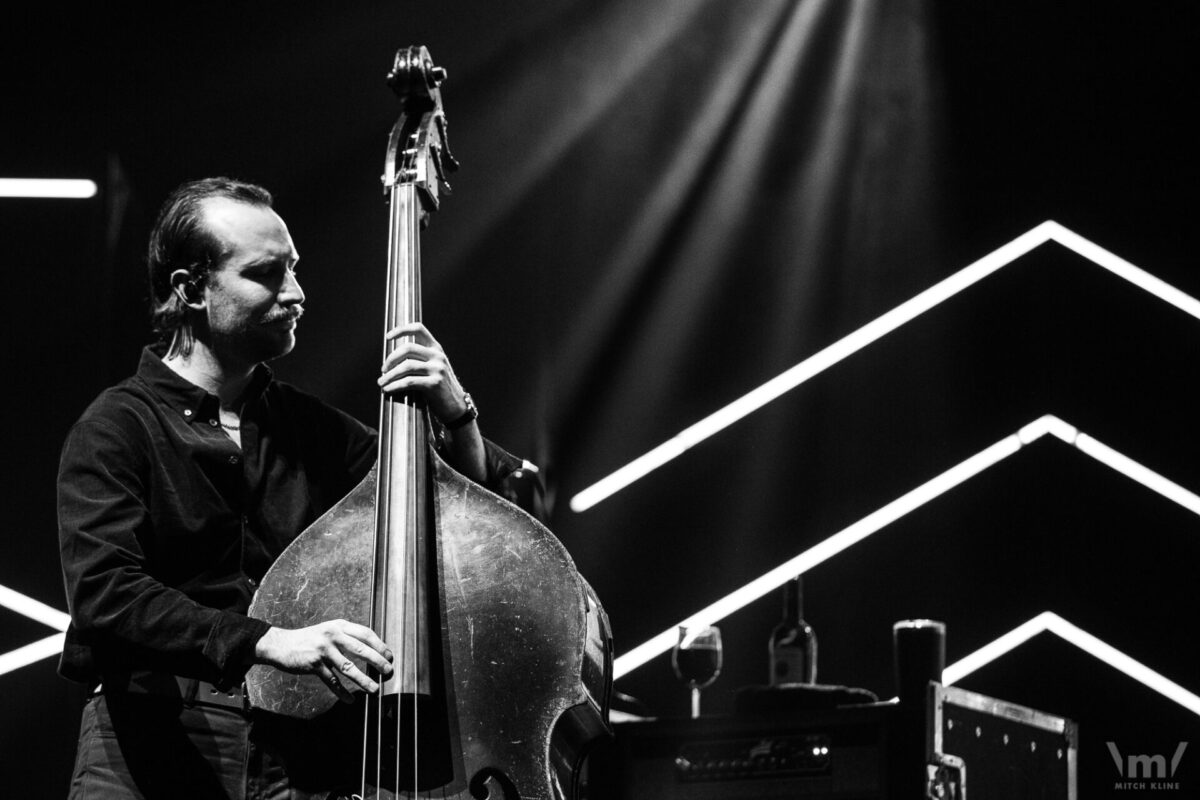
x=230 y=646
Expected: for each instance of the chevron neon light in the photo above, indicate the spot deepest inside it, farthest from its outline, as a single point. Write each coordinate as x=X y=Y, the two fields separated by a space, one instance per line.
x=1131 y=469
x=1050 y=622
x=34 y=609
x=23 y=656
x=39 y=611
x=823 y=551
x=872 y=331
x=68 y=189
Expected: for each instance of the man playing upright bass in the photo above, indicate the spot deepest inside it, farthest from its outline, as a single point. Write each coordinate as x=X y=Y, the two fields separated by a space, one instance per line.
x=180 y=486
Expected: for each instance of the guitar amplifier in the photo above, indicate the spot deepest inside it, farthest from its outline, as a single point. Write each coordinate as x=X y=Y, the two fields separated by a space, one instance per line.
x=830 y=754
x=957 y=745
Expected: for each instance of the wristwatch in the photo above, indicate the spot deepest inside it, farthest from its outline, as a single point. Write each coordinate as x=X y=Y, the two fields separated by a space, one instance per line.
x=467 y=416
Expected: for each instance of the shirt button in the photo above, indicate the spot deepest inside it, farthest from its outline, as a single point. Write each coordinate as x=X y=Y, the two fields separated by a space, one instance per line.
x=234 y=459
x=213 y=422
x=251 y=581
x=187 y=412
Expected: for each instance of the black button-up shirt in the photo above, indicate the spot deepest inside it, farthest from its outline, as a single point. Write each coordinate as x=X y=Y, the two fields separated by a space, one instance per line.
x=166 y=526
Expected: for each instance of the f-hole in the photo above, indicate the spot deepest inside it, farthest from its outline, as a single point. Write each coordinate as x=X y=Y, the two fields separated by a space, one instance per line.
x=492 y=784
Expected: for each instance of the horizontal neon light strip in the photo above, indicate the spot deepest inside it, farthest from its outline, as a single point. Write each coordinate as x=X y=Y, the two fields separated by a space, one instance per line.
x=65 y=188
x=1051 y=622
x=30 y=653
x=1046 y=425
x=881 y=326
x=34 y=609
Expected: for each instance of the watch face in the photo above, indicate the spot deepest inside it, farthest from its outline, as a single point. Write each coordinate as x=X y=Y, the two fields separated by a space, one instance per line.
x=467 y=416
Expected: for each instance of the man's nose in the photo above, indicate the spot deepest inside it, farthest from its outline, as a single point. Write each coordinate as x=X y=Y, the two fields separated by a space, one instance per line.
x=291 y=294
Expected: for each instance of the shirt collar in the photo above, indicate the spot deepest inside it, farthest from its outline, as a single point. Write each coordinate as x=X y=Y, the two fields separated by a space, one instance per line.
x=186 y=397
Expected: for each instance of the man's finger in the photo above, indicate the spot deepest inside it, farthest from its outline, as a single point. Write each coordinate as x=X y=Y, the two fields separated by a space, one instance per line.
x=335 y=685
x=414 y=329
x=352 y=673
x=352 y=646
x=408 y=367
x=367 y=637
x=409 y=351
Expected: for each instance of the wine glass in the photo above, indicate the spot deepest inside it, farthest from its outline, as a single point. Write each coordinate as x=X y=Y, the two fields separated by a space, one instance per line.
x=696 y=659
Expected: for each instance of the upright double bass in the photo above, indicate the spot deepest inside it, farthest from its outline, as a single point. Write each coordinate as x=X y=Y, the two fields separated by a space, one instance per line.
x=503 y=655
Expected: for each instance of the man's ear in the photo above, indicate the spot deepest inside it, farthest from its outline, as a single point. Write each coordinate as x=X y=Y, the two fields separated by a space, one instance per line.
x=187 y=289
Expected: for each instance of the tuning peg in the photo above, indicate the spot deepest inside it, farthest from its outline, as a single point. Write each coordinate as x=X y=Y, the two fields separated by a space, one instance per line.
x=446 y=158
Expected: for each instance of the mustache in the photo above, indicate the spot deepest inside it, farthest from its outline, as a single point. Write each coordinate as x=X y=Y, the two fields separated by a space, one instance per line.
x=287 y=315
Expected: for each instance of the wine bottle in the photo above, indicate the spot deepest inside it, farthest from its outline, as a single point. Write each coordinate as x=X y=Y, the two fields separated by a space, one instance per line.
x=793 y=645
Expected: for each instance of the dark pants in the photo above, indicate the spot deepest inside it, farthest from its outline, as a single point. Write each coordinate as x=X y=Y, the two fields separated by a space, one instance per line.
x=146 y=747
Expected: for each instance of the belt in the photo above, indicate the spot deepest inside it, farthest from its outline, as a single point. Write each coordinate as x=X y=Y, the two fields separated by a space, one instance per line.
x=188 y=690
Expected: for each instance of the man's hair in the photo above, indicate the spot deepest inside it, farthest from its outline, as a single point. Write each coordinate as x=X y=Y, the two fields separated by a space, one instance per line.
x=181 y=240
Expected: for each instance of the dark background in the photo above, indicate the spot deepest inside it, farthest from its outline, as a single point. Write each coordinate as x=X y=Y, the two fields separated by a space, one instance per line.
x=661 y=206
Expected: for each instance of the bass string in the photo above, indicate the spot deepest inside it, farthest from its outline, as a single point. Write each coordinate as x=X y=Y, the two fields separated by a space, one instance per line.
x=382 y=523
x=382 y=519
x=413 y=630
x=415 y=496
x=382 y=562
x=412 y=530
